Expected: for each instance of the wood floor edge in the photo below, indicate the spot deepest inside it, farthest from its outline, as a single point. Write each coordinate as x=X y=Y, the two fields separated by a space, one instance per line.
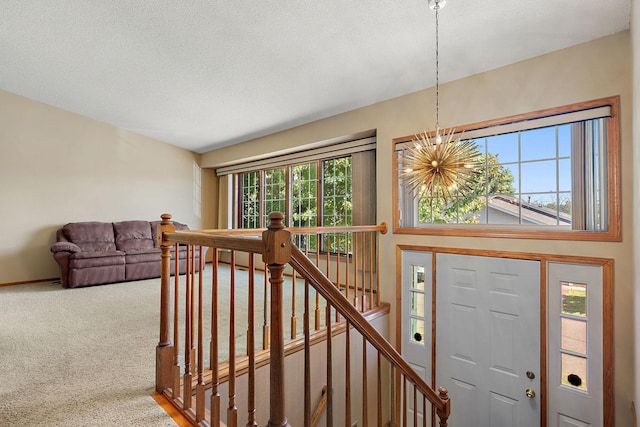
x=171 y=410
x=28 y=282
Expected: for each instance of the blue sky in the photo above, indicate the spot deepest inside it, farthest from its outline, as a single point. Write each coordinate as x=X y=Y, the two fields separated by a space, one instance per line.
x=539 y=172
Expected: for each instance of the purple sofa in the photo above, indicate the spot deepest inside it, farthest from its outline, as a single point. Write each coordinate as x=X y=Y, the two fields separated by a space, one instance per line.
x=95 y=253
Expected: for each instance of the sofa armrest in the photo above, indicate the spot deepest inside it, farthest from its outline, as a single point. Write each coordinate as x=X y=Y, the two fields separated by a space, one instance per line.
x=65 y=247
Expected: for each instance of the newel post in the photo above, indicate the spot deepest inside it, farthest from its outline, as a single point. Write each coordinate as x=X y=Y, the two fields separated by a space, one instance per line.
x=443 y=414
x=277 y=252
x=164 y=348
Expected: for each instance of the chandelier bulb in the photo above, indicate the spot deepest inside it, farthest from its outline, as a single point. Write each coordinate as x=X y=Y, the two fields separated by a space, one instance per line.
x=437 y=4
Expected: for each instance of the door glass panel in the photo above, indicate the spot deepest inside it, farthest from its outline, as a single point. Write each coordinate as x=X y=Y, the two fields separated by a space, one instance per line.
x=417 y=304
x=417 y=274
x=417 y=331
x=574 y=335
x=574 y=371
x=574 y=298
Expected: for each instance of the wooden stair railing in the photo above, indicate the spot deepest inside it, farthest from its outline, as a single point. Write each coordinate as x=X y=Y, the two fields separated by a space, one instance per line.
x=354 y=318
x=346 y=278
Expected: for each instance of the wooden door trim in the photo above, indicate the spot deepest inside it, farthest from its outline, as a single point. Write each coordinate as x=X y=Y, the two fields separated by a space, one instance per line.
x=607 y=312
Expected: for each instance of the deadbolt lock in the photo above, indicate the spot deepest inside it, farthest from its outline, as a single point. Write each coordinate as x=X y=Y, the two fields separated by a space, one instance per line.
x=530 y=375
x=530 y=393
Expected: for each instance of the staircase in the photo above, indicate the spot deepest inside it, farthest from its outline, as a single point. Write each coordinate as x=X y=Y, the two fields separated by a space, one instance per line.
x=231 y=351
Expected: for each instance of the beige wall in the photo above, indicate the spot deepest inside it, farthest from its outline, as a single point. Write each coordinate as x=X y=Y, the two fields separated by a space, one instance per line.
x=590 y=71
x=57 y=167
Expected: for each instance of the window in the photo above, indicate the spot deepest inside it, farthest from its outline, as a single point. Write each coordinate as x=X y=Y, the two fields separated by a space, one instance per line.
x=552 y=171
x=313 y=187
x=573 y=331
x=298 y=197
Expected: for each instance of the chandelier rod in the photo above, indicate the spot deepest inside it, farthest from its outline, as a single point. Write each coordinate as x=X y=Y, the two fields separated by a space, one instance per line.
x=437 y=8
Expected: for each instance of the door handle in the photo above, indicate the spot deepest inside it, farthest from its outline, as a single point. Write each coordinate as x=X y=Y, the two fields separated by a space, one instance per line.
x=530 y=393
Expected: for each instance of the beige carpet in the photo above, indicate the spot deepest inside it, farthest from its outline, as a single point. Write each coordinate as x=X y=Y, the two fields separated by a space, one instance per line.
x=86 y=356
x=79 y=357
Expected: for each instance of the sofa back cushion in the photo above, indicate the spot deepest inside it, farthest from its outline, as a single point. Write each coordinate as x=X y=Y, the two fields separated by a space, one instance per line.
x=91 y=236
x=133 y=235
x=156 y=224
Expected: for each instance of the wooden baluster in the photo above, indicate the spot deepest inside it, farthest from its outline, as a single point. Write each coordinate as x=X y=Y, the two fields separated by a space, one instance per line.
x=363 y=259
x=379 y=387
x=191 y=271
x=214 y=355
x=316 y=315
x=347 y=397
x=337 y=271
x=251 y=346
x=294 y=320
x=346 y=264
x=232 y=410
x=377 y=269
x=188 y=375
x=415 y=405
x=329 y=369
x=266 y=331
x=371 y=270
x=365 y=394
x=328 y=274
x=277 y=252
x=200 y=388
x=354 y=262
x=307 y=358
x=404 y=400
x=424 y=411
x=163 y=349
x=176 y=374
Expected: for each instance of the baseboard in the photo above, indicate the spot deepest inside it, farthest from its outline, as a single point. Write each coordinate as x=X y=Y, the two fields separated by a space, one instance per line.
x=28 y=282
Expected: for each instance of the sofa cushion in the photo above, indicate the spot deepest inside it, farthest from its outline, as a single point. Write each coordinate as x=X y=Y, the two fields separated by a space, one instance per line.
x=132 y=235
x=137 y=256
x=91 y=236
x=156 y=224
x=96 y=259
x=65 y=247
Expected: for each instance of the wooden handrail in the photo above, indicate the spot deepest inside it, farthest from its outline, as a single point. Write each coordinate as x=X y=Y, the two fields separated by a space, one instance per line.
x=315 y=418
x=197 y=238
x=381 y=228
x=334 y=297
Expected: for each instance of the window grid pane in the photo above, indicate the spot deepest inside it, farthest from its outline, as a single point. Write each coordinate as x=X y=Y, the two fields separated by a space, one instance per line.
x=250 y=199
x=337 y=192
x=304 y=195
x=275 y=189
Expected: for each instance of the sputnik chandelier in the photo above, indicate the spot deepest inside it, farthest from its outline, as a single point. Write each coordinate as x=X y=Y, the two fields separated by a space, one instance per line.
x=439 y=167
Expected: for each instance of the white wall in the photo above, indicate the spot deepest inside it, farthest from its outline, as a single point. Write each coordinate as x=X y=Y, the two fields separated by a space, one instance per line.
x=58 y=167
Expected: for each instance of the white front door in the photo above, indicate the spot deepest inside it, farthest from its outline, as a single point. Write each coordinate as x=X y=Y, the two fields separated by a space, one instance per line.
x=488 y=339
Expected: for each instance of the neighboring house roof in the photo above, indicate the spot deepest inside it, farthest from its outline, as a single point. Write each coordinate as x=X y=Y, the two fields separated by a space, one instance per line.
x=531 y=212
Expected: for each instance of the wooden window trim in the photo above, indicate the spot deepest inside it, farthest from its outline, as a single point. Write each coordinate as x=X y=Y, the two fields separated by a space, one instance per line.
x=613 y=232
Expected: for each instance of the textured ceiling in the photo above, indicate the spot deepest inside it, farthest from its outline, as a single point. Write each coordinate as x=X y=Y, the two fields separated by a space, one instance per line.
x=202 y=74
